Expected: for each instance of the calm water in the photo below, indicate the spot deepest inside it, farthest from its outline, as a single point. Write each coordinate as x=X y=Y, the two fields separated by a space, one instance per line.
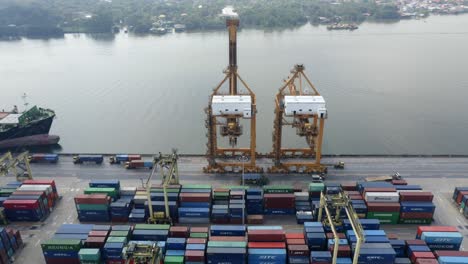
x=390 y=88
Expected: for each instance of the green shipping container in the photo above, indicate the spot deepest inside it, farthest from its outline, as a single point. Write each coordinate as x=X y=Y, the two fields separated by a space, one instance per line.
x=236 y=187
x=199 y=235
x=419 y=221
x=117 y=239
x=385 y=217
x=316 y=187
x=151 y=227
x=94 y=207
x=196 y=186
x=119 y=233
x=160 y=190
x=278 y=189
x=174 y=260
x=62 y=244
x=109 y=191
x=90 y=255
x=227 y=244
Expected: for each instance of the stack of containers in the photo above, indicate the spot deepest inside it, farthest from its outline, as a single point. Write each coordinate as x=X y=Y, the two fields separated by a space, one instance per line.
x=418 y=251
x=278 y=200
x=315 y=189
x=382 y=253
x=266 y=245
x=111 y=192
x=458 y=194
x=59 y=251
x=254 y=201
x=303 y=207
x=120 y=208
x=440 y=237
x=52 y=197
x=24 y=210
x=416 y=207
x=142 y=232
x=175 y=250
x=220 y=209
x=237 y=212
x=89 y=256
x=73 y=231
x=298 y=251
x=115 y=243
x=140 y=198
x=357 y=200
x=382 y=203
x=93 y=207
x=195 y=204
x=10 y=242
x=157 y=200
x=97 y=236
x=195 y=249
x=229 y=239
x=199 y=232
x=320 y=257
x=315 y=236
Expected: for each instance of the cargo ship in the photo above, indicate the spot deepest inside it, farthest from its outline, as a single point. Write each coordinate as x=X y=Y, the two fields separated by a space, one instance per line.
x=28 y=128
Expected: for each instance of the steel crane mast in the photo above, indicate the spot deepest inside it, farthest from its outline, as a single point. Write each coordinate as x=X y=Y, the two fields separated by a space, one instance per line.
x=298 y=104
x=225 y=110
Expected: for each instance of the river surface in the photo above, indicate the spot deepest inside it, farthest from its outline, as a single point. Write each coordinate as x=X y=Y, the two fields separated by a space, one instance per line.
x=397 y=88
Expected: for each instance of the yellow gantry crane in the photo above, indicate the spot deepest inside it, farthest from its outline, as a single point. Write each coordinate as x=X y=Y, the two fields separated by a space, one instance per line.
x=298 y=104
x=140 y=252
x=10 y=163
x=167 y=165
x=226 y=110
x=336 y=203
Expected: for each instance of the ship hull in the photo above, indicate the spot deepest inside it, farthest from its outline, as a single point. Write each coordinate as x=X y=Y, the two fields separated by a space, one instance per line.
x=36 y=140
x=41 y=127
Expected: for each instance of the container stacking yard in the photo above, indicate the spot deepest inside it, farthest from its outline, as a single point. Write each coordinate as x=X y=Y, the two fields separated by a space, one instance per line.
x=126 y=207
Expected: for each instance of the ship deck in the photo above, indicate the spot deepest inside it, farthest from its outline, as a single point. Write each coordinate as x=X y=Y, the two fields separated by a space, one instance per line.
x=439 y=175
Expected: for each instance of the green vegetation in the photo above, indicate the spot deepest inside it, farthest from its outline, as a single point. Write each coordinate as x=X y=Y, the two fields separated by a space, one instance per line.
x=54 y=17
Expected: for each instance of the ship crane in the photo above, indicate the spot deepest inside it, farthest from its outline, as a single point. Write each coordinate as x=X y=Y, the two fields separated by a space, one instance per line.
x=299 y=105
x=225 y=112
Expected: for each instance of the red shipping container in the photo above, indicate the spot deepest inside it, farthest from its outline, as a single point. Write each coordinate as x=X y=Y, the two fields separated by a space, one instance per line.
x=416 y=215
x=220 y=221
x=92 y=199
x=298 y=250
x=416 y=196
x=295 y=241
x=266 y=245
x=344 y=251
x=21 y=204
x=199 y=230
x=95 y=242
x=40 y=182
x=266 y=236
x=356 y=197
x=196 y=240
x=383 y=207
x=96 y=233
x=460 y=196
x=195 y=255
x=392 y=236
x=450 y=253
x=228 y=238
x=179 y=231
x=352 y=192
x=294 y=235
x=416 y=255
x=114 y=261
x=416 y=242
x=435 y=229
x=340 y=236
x=4 y=257
x=348 y=186
x=399 y=182
x=195 y=197
x=426 y=261
x=235 y=221
x=255 y=219
x=62 y=260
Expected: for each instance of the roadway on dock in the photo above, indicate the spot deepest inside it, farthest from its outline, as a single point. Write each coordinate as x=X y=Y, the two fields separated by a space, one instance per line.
x=439 y=175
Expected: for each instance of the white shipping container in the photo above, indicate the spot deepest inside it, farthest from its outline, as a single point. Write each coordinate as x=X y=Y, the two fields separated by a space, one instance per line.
x=140 y=199
x=38 y=188
x=382 y=197
x=301 y=196
x=128 y=190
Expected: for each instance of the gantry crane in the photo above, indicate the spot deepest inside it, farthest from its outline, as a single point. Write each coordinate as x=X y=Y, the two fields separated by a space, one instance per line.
x=333 y=205
x=167 y=165
x=226 y=110
x=9 y=163
x=298 y=104
x=142 y=252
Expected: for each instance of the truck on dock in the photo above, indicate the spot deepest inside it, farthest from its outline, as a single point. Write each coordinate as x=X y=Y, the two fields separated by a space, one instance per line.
x=45 y=158
x=80 y=159
x=135 y=164
x=118 y=159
